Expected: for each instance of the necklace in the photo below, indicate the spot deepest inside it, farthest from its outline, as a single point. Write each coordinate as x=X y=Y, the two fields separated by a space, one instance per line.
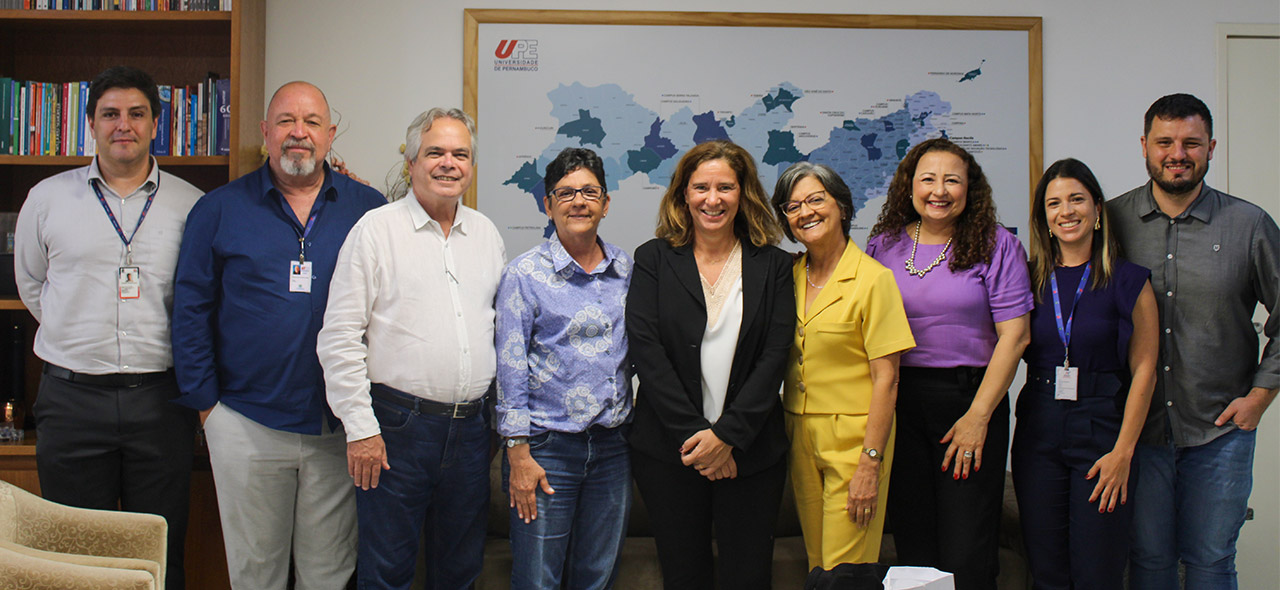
x=911 y=262
x=722 y=258
x=808 y=280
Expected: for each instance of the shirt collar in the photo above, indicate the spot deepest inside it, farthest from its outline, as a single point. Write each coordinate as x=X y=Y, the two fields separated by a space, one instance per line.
x=421 y=219
x=1201 y=208
x=153 y=178
x=564 y=264
x=267 y=185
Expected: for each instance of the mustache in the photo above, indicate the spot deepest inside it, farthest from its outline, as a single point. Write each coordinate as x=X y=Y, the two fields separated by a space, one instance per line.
x=298 y=143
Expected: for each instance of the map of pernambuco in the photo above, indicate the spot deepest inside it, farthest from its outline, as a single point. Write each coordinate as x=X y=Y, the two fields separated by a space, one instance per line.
x=640 y=96
x=633 y=139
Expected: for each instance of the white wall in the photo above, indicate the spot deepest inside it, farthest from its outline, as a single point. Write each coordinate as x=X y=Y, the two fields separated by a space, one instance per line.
x=381 y=62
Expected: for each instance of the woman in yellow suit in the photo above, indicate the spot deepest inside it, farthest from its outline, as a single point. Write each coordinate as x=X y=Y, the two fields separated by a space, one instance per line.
x=842 y=382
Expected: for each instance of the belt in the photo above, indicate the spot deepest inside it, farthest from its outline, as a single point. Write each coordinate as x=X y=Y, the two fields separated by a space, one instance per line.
x=420 y=405
x=1088 y=383
x=961 y=376
x=112 y=380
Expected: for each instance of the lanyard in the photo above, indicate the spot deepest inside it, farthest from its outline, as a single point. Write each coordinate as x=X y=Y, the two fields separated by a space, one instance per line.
x=302 y=238
x=1064 y=333
x=128 y=242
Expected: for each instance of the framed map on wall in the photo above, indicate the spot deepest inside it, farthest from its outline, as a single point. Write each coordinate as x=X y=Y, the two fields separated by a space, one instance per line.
x=854 y=92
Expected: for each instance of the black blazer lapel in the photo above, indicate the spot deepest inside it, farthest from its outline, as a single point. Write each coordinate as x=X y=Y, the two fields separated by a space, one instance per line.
x=753 y=275
x=685 y=267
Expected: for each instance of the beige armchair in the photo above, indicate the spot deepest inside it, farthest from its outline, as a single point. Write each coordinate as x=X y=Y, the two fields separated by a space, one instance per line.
x=45 y=545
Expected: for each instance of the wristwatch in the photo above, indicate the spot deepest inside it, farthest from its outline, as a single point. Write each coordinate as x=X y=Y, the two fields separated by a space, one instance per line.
x=874 y=454
x=517 y=440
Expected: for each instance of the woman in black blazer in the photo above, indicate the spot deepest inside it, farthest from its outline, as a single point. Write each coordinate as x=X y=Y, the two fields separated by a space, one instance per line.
x=710 y=316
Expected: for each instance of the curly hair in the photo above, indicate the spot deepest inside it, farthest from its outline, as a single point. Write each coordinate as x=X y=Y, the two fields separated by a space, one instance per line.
x=754 y=222
x=975 y=228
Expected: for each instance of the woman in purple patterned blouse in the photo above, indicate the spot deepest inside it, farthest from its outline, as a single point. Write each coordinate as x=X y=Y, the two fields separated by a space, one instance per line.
x=964 y=285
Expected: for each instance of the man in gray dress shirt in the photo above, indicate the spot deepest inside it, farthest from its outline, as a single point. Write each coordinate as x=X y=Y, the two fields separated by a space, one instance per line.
x=94 y=257
x=1213 y=258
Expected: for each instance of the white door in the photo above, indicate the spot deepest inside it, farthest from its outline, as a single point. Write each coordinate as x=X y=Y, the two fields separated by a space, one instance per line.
x=1248 y=162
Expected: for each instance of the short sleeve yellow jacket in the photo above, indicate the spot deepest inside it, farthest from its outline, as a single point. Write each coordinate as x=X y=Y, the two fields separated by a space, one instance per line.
x=858 y=316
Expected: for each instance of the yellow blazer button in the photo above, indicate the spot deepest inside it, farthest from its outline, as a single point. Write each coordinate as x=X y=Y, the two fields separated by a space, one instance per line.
x=800 y=386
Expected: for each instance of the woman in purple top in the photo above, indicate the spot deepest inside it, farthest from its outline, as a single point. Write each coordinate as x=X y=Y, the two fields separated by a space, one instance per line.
x=1090 y=374
x=965 y=288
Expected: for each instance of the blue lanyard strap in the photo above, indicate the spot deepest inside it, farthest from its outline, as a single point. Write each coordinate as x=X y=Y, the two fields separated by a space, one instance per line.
x=128 y=241
x=1064 y=332
x=302 y=238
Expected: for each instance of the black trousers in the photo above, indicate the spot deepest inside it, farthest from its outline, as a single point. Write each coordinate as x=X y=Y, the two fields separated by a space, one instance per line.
x=684 y=507
x=936 y=520
x=1069 y=543
x=114 y=448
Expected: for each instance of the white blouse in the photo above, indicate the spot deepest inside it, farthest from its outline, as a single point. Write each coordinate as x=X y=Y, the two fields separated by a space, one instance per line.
x=720 y=341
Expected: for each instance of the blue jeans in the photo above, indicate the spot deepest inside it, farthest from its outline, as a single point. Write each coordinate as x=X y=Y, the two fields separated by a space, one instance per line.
x=578 y=534
x=439 y=480
x=1189 y=504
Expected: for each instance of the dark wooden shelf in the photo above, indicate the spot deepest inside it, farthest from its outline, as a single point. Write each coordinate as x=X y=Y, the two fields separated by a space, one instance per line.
x=38 y=16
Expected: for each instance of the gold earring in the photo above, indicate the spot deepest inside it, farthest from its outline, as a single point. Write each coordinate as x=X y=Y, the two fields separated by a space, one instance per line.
x=1050 y=234
x=1097 y=223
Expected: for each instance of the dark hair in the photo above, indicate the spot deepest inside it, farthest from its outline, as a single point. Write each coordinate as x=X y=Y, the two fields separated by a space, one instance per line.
x=754 y=222
x=570 y=160
x=1175 y=107
x=123 y=77
x=1045 y=252
x=975 y=230
x=830 y=181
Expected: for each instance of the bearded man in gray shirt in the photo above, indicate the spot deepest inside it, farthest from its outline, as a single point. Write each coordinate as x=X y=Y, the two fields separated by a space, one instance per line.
x=1213 y=258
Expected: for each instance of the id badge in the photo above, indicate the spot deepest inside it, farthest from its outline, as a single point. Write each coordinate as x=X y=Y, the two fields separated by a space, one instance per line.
x=299 y=276
x=129 y=281
x=1066 y=384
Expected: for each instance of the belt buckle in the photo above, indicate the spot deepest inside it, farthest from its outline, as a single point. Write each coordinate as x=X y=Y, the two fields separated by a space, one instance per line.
x=456 y=409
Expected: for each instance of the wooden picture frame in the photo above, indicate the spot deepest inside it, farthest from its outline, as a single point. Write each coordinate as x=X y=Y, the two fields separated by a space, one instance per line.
x=475 y=19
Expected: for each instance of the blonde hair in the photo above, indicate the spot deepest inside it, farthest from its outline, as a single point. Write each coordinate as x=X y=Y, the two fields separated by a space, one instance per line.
x=754 y=222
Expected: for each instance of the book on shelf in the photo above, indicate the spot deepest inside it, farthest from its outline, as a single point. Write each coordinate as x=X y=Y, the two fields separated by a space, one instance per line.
x=49 y=119
x=160 y=145
x=222 y=99
x=6 y=127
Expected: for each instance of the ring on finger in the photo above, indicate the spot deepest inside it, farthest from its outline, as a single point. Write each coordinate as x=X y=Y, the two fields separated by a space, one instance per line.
x=968 y=454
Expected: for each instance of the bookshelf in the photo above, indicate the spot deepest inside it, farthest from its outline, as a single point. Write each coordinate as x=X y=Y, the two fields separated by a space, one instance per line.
x=176 y=48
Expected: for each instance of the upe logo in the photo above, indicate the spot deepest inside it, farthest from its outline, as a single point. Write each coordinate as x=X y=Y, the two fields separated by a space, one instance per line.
x=514 y=55
x=517 y=49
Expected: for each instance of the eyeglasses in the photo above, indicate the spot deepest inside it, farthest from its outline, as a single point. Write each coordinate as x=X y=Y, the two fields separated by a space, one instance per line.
x=590 y=192
x=815 y=201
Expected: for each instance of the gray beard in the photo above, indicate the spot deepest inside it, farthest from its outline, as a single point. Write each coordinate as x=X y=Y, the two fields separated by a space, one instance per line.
x=300 y=167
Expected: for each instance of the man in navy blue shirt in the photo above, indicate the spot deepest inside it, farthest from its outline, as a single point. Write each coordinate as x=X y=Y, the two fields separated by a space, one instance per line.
x=249 y=298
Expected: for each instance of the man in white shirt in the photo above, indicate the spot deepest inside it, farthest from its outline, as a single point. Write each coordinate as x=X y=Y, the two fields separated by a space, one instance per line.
x=408 y=357
x=94 y=257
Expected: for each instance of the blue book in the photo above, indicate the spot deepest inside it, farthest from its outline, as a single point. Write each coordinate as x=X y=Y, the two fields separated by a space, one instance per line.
x=6 y=117
x=222 y=94
x=160 y=145
x=84 y=120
